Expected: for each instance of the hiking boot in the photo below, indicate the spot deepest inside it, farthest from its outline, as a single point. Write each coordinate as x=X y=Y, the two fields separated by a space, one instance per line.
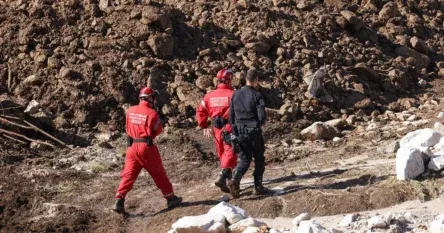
x=119 y=206
x=221 y=181
x=174 y=202
x=234 y=188
x=259 y=189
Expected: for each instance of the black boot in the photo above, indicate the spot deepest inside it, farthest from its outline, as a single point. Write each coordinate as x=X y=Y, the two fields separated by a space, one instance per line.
x=119 y=206
x=234 y=188
x=259 y=189
x=174 y=202
x=221 y=181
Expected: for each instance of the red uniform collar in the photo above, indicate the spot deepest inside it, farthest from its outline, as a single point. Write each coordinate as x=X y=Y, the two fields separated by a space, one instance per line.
x=224 y=86
x=144 y=103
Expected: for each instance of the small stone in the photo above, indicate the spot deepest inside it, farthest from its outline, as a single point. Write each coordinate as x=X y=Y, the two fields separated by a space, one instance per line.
x=412 y=118
x=441 y=115
x=65 y=72
x=422 y=83
x=302 y=217
x=33 y=107
x=33 y=80
x=319 y=130
x=337 y=139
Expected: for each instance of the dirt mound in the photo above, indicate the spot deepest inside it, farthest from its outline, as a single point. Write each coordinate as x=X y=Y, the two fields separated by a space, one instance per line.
x=84 y=61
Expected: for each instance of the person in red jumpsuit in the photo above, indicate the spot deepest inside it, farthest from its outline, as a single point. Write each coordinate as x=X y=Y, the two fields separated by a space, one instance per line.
x=142 y=126
x=216 y=105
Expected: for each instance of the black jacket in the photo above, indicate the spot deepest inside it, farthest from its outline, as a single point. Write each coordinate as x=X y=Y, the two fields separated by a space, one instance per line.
x=247 y=108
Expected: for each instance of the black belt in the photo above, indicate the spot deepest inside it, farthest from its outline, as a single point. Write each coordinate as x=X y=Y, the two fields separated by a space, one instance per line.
x=147 y=140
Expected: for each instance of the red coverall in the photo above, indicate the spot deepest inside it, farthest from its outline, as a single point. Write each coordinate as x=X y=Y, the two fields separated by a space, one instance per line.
x=141 y=122
x=217 y=103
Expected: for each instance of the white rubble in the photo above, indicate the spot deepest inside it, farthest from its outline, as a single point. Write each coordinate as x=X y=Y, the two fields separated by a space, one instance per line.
x=300 y=218
x=252 y=230
x=310 y=226
x=242 y=225
x=388 y=218
x=437 y=226
x=232 y=213
x=422 y=83
x=436 y=163
x=200 y=224
x=421 y=138
x=409 y=163
x=347 y=220
x=441 y=115
x=376 y=222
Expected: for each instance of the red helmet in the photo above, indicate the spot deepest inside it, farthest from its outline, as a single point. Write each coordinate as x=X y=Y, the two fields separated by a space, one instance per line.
x=146 y=91
x=225 y=74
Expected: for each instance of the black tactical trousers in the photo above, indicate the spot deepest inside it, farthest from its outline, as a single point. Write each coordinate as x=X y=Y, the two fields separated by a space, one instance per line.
x=252 y=146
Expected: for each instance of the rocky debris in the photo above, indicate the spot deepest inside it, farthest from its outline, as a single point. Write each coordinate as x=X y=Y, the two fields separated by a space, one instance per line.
x=348 y=220
x=232 y=213
x=33 y=107
x=418 y=59
x=409 y=163
x=376 y=222
x=302 y=217
x=440 y=115
x=438 y=127
x=242 y=225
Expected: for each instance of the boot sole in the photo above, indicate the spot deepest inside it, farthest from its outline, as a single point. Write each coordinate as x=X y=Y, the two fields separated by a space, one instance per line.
x=223 y=188
x=233 y=192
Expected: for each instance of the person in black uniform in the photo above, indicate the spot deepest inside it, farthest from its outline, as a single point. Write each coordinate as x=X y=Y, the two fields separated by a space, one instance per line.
x=247 y=115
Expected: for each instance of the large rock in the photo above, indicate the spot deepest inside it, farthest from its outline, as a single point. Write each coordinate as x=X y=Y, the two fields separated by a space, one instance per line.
x=409 y=163
x=208 y=223
x=376 y=222
x=389 y=11
x=419 y=45
x=302 y=217
x=348 y=220
x=319 y=130
x=153 y=16
x=162 y=45
x=232 y=213
x=422 y=138
x=242 y=225
x=310 y=226
x=421 y=60
x=436 y=163
x=389 y=148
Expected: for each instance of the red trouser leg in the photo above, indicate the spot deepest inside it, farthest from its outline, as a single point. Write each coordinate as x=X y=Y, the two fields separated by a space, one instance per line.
x=225 y=152
x=150 y=160
x=129 y=173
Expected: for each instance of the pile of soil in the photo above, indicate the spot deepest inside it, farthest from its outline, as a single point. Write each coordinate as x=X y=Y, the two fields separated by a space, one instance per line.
x=84 y=61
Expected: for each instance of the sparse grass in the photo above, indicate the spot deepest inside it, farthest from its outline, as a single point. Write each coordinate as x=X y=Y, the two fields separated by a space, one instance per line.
x=98 y=167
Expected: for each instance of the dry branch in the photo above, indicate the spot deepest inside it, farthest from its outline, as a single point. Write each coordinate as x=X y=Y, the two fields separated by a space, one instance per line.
x=47 y=134
x=9 y=78
x=13 y=123
x=26 y=138
x=14 y=139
